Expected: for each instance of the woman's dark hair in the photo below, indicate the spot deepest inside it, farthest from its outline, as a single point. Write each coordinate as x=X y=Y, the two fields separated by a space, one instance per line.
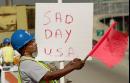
x=21 y=50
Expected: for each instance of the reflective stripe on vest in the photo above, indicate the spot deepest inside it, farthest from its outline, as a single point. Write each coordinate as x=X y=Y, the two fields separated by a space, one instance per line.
x=8 y=53
x=41 y=64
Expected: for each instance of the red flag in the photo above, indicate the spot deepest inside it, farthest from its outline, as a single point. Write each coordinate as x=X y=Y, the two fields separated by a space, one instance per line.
x=111 y=47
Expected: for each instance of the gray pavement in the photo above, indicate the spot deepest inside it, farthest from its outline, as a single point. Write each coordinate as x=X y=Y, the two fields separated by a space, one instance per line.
x=96 y=72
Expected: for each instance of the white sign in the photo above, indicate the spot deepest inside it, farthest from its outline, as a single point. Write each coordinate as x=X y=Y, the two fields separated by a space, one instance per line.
x=63 y=30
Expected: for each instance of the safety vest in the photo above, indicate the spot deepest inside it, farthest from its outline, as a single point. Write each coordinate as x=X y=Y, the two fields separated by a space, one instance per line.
x=8 y=53
x=41 y=64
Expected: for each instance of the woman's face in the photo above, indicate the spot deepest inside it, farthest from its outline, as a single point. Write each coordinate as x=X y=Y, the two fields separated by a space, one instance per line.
x=32 y=47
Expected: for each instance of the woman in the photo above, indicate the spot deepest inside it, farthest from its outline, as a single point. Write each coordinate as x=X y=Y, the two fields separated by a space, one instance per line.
x=32 y=71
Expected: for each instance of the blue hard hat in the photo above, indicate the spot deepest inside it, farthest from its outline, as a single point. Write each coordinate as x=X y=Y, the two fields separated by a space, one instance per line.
x=6 y=41
x=20 y=38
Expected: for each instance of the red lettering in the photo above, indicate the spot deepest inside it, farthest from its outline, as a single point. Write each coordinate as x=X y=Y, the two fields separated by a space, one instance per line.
x=48 y=33
x=58 y=17
x=49 y=52
x=59 y=51
x=69 y=19
x=68 y=35
x=58 y=32
x=47 y=18
x=70 y=51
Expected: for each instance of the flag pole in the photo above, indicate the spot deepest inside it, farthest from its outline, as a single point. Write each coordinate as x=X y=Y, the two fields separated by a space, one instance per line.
x=60 y=1
x=97 y=45
x=100 y=41
x=62 y=80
